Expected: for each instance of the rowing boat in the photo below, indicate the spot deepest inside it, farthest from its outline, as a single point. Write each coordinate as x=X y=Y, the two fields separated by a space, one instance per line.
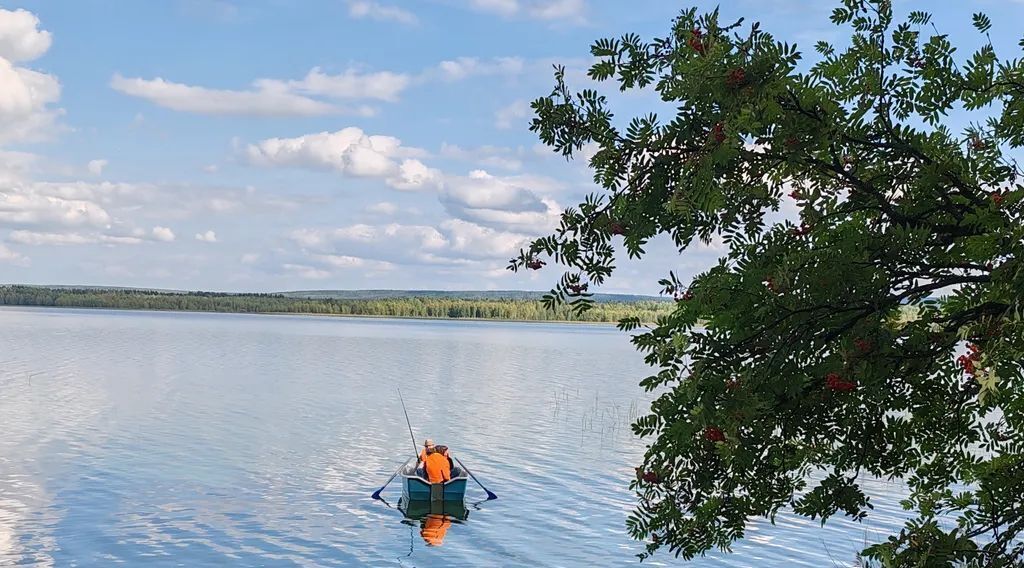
x=416 y=487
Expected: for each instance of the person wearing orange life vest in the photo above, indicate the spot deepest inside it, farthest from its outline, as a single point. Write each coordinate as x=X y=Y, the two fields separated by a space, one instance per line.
x=437 y=466
x=447 y=456
x=427 y=445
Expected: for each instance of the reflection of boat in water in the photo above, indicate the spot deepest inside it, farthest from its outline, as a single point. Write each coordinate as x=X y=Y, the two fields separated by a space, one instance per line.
x=416 y=510
x=415 y=487
x=435 y=517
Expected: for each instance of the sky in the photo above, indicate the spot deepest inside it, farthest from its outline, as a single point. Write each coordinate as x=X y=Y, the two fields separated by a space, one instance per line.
x=270 y=145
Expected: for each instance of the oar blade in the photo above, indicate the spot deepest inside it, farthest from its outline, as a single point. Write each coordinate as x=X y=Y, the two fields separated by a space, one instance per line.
x=376 y=494
x=490 y=495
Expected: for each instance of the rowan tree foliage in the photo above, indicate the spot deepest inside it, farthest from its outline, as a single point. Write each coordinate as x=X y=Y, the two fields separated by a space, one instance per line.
x=880 y=334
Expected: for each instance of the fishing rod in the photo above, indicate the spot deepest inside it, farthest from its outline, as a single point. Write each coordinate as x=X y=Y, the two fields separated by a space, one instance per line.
x=376 y=494
x=408 y=423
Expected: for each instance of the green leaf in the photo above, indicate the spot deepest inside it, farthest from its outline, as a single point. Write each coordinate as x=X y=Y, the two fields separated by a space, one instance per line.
x=981 y=22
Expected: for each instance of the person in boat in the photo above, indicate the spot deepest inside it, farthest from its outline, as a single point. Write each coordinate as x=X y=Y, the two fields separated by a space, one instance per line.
x=427 y=445
x=436 y=465
x=451 y=463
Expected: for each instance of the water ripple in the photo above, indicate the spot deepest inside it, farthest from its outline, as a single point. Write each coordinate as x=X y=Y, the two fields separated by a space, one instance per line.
x=205 y=439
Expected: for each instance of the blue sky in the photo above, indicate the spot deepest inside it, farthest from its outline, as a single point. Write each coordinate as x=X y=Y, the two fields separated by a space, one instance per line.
x=270 y=145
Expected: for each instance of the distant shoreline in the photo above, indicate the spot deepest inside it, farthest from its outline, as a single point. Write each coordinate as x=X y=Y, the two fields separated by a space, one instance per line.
x=306 y=314
x=516 y=310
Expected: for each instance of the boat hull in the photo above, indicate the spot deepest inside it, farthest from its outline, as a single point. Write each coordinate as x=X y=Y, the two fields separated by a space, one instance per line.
x=417 y=488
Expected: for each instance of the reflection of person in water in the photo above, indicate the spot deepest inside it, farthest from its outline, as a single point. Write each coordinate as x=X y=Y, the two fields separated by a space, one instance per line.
x=434 y=528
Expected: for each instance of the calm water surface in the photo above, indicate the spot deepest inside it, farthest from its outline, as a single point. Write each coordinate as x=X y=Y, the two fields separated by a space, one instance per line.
x=168 y=439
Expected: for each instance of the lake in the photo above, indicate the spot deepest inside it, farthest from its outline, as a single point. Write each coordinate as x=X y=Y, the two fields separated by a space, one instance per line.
x=181 y=439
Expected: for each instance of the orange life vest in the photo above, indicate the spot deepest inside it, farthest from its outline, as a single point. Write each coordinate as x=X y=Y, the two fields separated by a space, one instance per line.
x=437 y=467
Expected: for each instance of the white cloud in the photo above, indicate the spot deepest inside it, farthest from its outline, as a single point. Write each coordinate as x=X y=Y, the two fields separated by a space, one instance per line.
x=573 y=11
x=320 y=266
x=587 y=152
x=265 y=99
x=501 y=7
x=222 y=205
x=392 y=243
x=473 y=240
x=511 y=68
x=341 y=261
x=463 y=67
x=12 y=257
x=26 y=96
x=35 y=238
x=93 y=215
x=421 y=236
x=126 y=204
x=273 y=97
x=317 y=92
x=502 y=162
x=480 y=189
x=96 y=166
x=454 y=242
x=207 y=237
x=506 y=203
x=512 y=115
x=20 y=38
x=14 y=165
x=413 y=175
x=495 y=156
x=569 y=11
x=81 y=213
x=249 y=258
x=308 y=272
x=32 y=204
x=351 y=152
x=102 y=204
x=533 y=222
x=163 y=234
x=383 y=208
x=377 y=11
x=351 y=84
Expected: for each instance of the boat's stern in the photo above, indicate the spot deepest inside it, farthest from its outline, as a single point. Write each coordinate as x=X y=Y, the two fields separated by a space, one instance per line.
x=417 y=488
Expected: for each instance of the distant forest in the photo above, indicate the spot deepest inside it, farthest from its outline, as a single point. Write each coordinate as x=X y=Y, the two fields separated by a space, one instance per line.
x=413 y=307
x=459 y=294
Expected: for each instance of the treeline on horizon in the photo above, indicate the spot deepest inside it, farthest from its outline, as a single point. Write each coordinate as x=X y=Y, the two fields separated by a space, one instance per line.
x=454 y=308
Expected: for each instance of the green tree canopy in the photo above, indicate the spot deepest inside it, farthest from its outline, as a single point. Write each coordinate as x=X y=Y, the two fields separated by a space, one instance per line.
x=879 y=334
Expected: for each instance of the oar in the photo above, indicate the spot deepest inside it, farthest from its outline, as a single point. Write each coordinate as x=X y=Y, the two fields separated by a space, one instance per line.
x=376 y=494
x=490 y=495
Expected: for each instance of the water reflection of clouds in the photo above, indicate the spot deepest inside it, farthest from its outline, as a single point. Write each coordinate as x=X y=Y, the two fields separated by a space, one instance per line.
x=52 y=411
x=249 y=440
